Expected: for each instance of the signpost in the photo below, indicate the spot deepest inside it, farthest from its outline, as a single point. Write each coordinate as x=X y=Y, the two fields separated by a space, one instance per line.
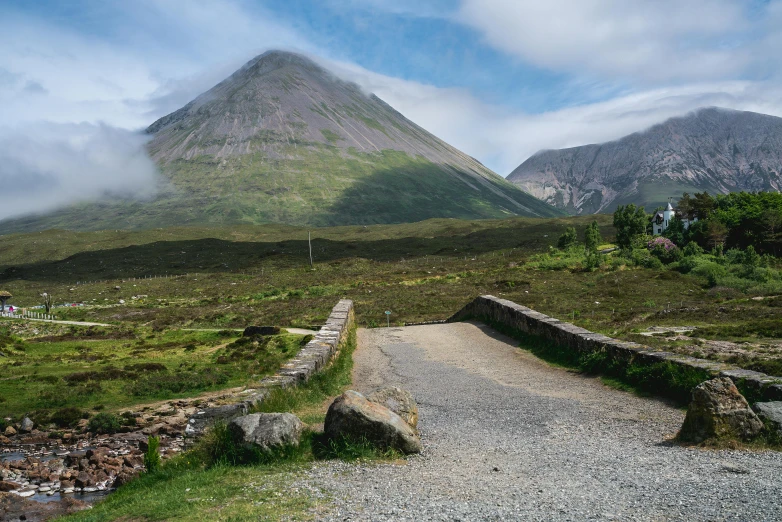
x=388 y=318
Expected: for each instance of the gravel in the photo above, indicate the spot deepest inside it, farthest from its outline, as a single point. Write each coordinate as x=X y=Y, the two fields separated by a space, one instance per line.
x=508 y=437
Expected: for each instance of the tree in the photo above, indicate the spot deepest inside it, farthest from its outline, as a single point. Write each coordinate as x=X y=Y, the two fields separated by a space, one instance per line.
x=629 y=222
x=772 y=219
x=47 y=301
x=685 y=207
x=567 y=239
x=716 y=233
x=702 y=205
x=592 y=238
x=675 y=231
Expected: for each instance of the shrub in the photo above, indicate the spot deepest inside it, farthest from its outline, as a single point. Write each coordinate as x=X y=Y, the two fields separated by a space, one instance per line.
x=663 y=249
x=178 y=382
x=645 y=259
x=146 y=367
x=710 y=271
x=692 y=249
x=67 y=417
x=104 y=423
x=567 y=239
x=152 y=455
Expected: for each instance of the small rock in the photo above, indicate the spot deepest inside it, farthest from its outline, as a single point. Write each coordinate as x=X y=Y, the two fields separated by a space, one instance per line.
x=399 y=401
x=9 y=431
x=8 y=486
x=352 y=415
x=719 y=411
x=267 y=430
x=27 y=425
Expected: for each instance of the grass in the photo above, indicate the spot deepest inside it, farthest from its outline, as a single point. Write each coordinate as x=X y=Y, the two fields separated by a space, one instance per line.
x=227 y=278
x=221 y=480
x=88 y=369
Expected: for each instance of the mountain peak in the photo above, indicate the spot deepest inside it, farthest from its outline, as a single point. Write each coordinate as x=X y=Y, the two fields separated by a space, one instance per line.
x=714 y=149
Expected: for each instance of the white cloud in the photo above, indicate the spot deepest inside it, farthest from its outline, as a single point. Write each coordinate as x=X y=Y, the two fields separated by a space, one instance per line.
x=46 y=166
x=503 y=138
x=651 y=42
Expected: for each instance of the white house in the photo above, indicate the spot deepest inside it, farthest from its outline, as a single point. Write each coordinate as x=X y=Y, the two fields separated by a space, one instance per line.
x=662 y=219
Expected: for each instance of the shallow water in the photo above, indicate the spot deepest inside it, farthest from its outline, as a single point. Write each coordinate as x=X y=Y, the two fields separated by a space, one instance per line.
x=90 y=498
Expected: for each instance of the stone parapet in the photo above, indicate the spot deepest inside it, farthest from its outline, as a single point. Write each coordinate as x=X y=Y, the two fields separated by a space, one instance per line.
x=313 y=357
x=517 y=318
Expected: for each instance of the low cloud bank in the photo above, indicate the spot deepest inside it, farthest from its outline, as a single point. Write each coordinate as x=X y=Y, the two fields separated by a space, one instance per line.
x=48 y=166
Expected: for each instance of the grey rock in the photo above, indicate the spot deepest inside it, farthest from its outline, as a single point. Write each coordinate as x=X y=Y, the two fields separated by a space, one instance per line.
x=399 y=401
x=27 y=425
x=719 y=411
x=267 y=431
x=771 y=413
x=352 y=415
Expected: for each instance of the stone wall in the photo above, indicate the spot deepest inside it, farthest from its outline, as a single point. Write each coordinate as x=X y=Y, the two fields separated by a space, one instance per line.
x=517 y=318
x=311 y=358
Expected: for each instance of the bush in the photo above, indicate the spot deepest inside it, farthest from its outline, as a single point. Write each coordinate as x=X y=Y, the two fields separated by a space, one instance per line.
x=664 y=249
x=710 y=271
x=178 y=382
x=104 y=423
x=692 y=249
x=645 y=259
x=567 y=239
x=152 y=455
x=67 y=417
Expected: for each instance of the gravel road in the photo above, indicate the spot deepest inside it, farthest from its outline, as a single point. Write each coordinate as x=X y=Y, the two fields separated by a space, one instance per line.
x=507 y=437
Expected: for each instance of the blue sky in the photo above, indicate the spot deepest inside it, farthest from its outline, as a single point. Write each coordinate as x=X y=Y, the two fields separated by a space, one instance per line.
x=500 y=79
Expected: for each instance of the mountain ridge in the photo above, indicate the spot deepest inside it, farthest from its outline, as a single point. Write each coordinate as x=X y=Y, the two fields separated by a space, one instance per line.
x=284 y=140
x=713 y=149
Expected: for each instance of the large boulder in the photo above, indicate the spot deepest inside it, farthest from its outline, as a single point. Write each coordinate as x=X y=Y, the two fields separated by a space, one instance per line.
x=771 y=414
x=267 y=431
x=719 y=411
x=353 y=416
x=399 y=401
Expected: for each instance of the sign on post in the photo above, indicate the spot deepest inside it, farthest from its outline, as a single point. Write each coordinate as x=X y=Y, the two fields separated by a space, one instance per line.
x=388 y=318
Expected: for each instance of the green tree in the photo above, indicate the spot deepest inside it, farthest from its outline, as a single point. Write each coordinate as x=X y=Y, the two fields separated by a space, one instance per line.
x=567 y=239
x=676 y=232
x=716 y=233
x=772 y=219
x=685 y=207
x=629 y=222
x=592 y=238
x=702 y=205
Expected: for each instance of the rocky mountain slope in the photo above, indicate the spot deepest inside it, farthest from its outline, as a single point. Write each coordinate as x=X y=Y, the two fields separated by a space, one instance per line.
x=284 y=140
x=712 y=149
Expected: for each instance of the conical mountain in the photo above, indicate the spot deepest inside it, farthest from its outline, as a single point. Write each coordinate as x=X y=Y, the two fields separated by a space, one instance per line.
x=712 y=149
x=283 y=140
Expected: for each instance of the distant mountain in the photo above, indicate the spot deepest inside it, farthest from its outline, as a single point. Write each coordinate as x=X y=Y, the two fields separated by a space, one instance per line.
x=284 y=140
x=712 y=149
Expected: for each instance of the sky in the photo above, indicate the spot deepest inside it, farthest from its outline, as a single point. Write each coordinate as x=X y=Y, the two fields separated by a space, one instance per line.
x=499 y=79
